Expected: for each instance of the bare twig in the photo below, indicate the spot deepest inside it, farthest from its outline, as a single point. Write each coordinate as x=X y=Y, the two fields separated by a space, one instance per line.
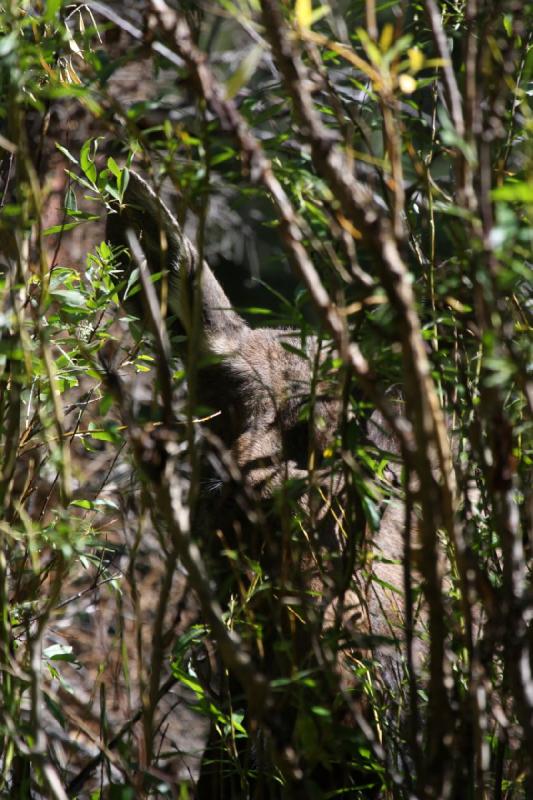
x=450 y=81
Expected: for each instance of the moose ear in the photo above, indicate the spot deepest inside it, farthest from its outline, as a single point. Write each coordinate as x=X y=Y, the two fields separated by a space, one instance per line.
x=171 y=254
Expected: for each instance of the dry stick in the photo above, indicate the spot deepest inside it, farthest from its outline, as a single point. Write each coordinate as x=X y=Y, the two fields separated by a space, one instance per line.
x=450 y=82
x=414 y=721
x=38 y=754
x=11 y=424
x=30 y=177
x=27 y=176
x=475 y=196
x=371 y=19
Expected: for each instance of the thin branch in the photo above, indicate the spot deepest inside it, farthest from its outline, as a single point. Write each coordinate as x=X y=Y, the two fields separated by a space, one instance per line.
x=450 y=82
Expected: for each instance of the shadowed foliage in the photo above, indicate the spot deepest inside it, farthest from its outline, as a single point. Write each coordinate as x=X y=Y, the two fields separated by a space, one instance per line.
x=265 y=400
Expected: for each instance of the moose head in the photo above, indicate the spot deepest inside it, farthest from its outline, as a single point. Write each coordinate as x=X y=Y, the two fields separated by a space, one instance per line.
x=278 y=411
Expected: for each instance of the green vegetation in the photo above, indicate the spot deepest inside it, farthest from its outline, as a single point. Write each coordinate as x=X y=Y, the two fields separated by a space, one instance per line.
x=358 y=172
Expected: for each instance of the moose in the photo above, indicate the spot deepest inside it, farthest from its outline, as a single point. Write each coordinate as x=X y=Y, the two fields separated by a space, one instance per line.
x=270 y=488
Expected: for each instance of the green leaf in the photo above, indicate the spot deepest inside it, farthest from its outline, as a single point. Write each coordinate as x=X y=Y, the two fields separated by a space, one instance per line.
x=320 y=711
x=81 y=181
x=52 y=7
x=236 y=722
x=82 y=504
x=318 y=13
x=69 y=297
x=68 y=226
x=225 y=155
x=263 y=312
x=514 y=192
x=105 y=251
x=53 y=707
x=244 y=71
x=86 y=162
x=133 y=286
x=71 y=202
x=295 y=350
x=113 y=192
x=113 y=167
x=59 y=652
x=371 y=512
x=123 y=180
x=103 y=436
x=8 y=43
x=66 y=153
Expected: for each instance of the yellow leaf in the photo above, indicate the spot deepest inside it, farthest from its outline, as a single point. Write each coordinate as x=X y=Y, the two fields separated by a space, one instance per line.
x=437 y=62
x=72 y=75
x=371 y=48
x=407 y=83
x=457 y=305
x=303 y=10
x=348 y=226
x=386 y=38
x=46 y=67
x=319 y=12
x=344 y=52
x=416 y=58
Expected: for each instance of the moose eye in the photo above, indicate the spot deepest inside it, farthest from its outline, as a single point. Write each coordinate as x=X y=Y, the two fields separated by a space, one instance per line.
x=296 y=443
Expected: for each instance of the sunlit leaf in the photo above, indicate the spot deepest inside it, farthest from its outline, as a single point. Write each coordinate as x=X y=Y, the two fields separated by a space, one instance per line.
x=59 y=652
x=514 y=191
x=69 y=297
x=113 y=167
x=244 y=71
x=303 y=12
x=387 y=37
x=407 y=83
x=416 y=58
